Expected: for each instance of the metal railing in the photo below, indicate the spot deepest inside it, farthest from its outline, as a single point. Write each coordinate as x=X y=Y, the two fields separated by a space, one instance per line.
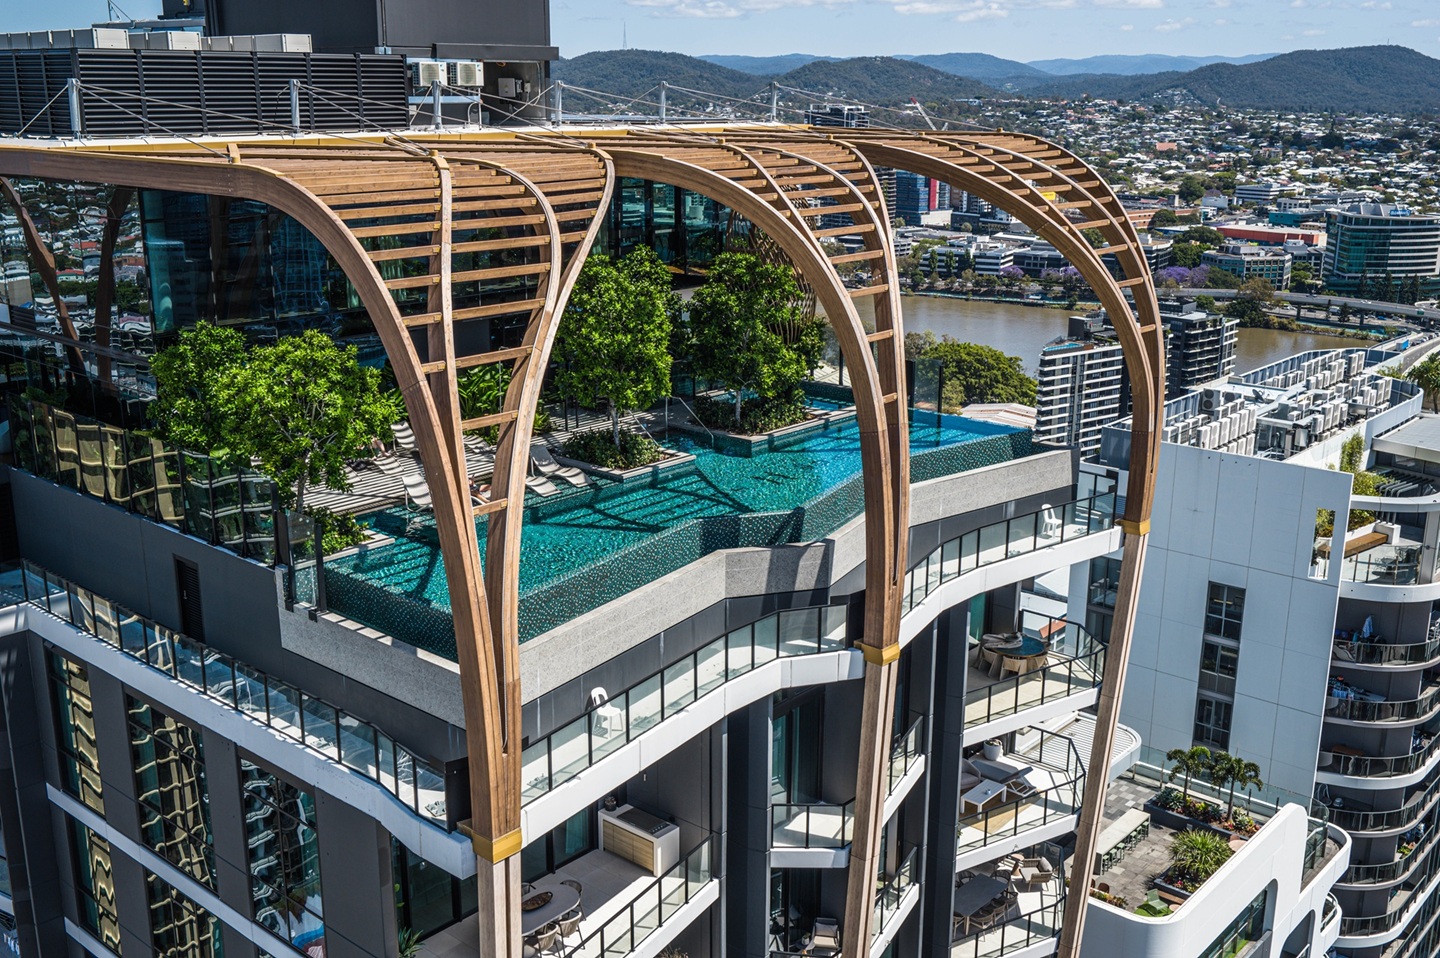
x=569 y=750
x=891 y=892
x=812 y=825
x=1005 y=540
x=1061 y=800
x=1410 y=710
x=298 y=715
x=1391 y=871
x=1075 y=662
x=1346 y=650
x=579 y=744
x=1387 y=565
x=1364 y=820
x=1352 y=926
x=1371 y=766
x=905 y=749
x=656 y=904
x=1031 y=928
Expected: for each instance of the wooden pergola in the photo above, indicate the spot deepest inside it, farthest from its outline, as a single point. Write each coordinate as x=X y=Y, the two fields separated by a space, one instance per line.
x=416 y=222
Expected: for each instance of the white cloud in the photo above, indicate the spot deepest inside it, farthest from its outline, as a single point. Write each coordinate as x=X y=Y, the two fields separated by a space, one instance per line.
x=1170 y=26
x=1220 y=22
x=1131 y=4
x=1127 y=27
x=1375 y=5
x=690 y=9
x=1313 y=32
x=1221 y=3
x=1425 y=23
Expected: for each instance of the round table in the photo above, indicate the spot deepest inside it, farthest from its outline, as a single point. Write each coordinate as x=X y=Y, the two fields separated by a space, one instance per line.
x=1028 y=647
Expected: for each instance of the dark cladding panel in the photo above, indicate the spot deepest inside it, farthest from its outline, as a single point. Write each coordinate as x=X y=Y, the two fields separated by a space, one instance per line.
x=32 y=91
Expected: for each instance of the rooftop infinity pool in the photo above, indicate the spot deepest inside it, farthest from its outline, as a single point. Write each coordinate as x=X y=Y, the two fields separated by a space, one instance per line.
x=587 y=546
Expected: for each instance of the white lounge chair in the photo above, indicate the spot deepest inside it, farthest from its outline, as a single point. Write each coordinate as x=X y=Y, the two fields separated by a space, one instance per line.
x=541 y=486
x=541 y=459
x=404 y=437
x=417 y=494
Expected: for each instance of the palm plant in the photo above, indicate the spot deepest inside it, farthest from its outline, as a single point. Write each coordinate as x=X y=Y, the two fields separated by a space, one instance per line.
x=1188 y=762
x=1234 y=772
x=1196 y=854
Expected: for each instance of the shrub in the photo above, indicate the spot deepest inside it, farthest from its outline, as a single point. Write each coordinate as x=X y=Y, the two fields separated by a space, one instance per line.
x=756 y=415
x=341 y=530
x=598 y=448
x=1195 y=855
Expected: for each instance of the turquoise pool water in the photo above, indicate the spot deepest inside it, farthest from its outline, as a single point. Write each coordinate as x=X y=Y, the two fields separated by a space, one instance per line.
x=588 y=545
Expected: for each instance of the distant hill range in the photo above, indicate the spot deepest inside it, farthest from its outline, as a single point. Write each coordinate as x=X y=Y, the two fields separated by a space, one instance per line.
x=1391 y=79
x=1134 y=64
x=884 y=81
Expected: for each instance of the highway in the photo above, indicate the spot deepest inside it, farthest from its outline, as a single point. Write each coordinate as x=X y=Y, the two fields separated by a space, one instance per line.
x=1321 y=302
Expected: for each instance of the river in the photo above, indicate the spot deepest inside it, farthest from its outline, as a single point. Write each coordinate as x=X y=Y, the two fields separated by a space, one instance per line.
x=1021 y=330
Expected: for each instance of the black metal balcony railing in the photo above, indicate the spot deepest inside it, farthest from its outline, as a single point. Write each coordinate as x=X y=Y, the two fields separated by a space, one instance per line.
x=905 y=750
x=1348 y=650
x=1390 y=820
x=216 y=501
x=295 y=714
x=1382 y=766
x=891 y=893
x=1078 y=658
x=1410 y=710
x=1354 y=926
x=656 y=904
x=812 y=825
x=1015 y=818
x=1075 y=662
x=1384 y=873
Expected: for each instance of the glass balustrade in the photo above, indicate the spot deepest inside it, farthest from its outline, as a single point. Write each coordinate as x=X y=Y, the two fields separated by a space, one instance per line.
x=812 y=825
x=891 y=891
x=296 y=714
x=905 y=750
x=624 y=932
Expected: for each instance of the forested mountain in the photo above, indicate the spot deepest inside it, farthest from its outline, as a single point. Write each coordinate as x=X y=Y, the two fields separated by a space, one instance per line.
x=1135 y=64
x=977 y=66
x=763 y=66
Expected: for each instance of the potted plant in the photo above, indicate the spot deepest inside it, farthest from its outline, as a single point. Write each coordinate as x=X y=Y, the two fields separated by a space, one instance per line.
x=994 y=749
x=1195 y=855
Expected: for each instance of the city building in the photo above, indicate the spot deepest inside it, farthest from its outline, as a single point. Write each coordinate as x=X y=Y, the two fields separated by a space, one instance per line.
x=1269 y=235
x=838 y=114
x=1374 y=241
x=1248 y=261
x=1082 y=386
x=1289 y=616
x=1260 y=194
x=1199 y=347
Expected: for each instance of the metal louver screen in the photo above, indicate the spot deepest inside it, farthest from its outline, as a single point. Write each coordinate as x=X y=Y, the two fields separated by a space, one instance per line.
x=174 y=92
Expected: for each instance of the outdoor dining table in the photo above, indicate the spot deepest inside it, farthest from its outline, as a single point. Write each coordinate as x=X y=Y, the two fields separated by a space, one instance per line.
x=1026 y=649
x=563 y=899
x=974 y=895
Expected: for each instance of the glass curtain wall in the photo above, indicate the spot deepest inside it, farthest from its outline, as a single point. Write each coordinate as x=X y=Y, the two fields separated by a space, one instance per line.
x=428 y=898
x=179 y=928
x=75 y=730
x=169 y=762
x=686 y=230
x=95 y=886
x=284 y=856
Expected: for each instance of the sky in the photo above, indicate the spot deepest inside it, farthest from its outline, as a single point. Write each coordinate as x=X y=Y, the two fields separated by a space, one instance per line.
x=1016 y=29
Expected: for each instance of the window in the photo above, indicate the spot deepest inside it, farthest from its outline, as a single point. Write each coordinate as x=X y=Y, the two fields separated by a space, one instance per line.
x=566 y=842
x=284 y=856
x=1212 y=722
x=1223 y=611
x=179 y=928
x=1218 y=662
x=169 y=762
x=1248 y=926
x=427 y=898
x=95 y=886
x=75 y=730
x=1104 y=580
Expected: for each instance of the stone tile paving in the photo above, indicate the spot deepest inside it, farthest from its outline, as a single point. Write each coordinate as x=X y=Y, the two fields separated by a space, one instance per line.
x=1131 y=877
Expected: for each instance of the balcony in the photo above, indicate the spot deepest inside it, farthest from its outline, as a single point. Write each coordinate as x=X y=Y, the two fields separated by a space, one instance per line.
x=296 y=715
x=1404 y=901
x=1345 y=813
x=1355 y=704
x=1060 y=659
x=811 y=835
x=1408 y=858
x=1026 y=910
x=906 y=751
x=1047 y=794
x=622 y=906
x=1354 y=648
x=1345 y=760
x=892 y=897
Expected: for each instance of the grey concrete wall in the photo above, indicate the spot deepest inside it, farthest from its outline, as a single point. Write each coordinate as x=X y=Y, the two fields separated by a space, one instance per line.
x=227 y=824
x=356 y=874
x=746 y=885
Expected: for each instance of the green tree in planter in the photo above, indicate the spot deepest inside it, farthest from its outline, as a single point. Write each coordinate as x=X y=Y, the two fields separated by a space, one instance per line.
x=1189 y=763
x=196 y=381
x=1197 y=854
x=614 y=338
x=1234 y=772
x=976 y=373
x=735 y=322
x=305 y=406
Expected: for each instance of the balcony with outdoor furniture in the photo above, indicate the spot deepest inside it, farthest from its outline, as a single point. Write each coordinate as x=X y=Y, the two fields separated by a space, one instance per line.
x=1004 y=906
x=1012 y=797
x=1044 y=660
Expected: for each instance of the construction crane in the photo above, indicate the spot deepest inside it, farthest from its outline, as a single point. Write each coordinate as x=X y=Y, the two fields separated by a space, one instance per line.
x=926 y=117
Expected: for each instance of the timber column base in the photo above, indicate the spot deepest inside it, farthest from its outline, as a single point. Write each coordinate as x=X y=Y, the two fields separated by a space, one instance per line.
x=870 y=793
x=497 y=886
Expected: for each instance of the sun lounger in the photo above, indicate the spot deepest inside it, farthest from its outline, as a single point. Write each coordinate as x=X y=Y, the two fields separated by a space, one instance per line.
x=541 y=485
x=541 y=459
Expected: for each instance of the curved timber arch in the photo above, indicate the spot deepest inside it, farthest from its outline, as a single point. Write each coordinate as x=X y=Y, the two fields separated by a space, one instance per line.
x=1029 y=188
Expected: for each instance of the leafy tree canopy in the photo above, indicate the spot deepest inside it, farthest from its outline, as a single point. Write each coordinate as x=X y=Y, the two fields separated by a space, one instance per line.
x=195 y=383
x=615 y=334
x=737 y=318
x=975 y=373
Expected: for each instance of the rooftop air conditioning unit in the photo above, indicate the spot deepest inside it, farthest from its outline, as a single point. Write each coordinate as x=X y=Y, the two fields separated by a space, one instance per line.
x=470 y=74
x=1210 y=401
x=426 y=73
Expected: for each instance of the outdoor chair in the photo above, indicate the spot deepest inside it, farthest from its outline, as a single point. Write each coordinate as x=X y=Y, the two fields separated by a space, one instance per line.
x=569 y=923
x=417 y=494
x=404 y=437
x=1050 y=522
x=546 y=465
x=1036 y=871
x=541 y=486
x=546 y=939
x=572 y=883
x=825 y=938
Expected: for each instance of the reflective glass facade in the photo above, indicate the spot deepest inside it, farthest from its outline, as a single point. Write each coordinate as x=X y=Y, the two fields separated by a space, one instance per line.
x=428 y=898
x=685 y=229
x=284 y=856
x=79 y=754
x=169 y=762
x=179 y=928
x=95 y=886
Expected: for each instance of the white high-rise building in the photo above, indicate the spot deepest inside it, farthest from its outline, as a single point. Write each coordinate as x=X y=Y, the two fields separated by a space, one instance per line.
x=1082 y=386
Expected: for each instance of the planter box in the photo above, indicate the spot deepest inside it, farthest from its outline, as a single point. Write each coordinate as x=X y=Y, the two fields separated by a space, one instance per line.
x=1165 y=886
x=750 y=445
x=1180 y=822
x=673 y=458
